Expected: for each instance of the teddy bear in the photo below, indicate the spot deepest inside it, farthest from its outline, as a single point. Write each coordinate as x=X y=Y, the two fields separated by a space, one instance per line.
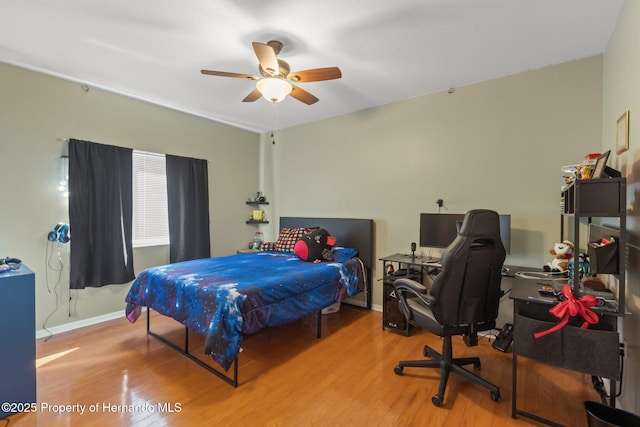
x=563 y=253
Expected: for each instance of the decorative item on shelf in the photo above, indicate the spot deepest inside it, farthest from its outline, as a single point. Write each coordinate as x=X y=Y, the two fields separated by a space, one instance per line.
x=562 y=253
x=390 y=269
x=257 y=215
x=583 y=269
x=257 y=241
x=601 y=170
x=569 y=173
x=585 y=170
x=258 y=198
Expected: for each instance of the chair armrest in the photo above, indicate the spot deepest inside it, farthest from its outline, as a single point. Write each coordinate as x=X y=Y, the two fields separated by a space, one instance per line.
x=417 y=287
x=413 y=287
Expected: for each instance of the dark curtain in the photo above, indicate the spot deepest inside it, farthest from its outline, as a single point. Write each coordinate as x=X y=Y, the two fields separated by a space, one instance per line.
x=100 y=214
x=188 y=199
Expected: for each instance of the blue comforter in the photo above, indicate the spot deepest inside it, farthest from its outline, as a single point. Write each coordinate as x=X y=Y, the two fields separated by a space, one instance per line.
x=225 y=297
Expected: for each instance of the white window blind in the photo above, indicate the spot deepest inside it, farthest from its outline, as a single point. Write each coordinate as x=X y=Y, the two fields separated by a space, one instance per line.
x=150 y=211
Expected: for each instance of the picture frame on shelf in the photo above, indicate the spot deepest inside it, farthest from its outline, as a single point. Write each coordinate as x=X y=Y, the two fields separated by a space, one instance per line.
x=600 y=166
x=622 y=133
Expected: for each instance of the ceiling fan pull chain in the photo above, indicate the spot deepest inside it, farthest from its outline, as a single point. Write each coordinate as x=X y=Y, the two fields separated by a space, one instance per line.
x=273 y=116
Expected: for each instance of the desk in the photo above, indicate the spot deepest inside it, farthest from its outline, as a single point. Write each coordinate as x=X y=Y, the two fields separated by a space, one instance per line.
x=412 y=267
x=594 y=351
x=505 y=310
x=422 y=269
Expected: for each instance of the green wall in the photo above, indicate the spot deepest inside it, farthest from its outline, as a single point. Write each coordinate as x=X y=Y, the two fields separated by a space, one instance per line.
x=37 y=112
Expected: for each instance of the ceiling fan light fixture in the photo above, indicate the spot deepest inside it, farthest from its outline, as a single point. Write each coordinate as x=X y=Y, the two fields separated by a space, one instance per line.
x=274 y=89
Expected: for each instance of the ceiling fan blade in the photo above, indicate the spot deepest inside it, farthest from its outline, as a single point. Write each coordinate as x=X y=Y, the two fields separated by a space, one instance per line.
x=303 y=96
x=253 y=96
x=267 y=58
x=315 y=75
x=226 y=74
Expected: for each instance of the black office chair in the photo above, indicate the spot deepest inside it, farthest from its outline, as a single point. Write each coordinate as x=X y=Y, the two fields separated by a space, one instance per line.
x=463 y=300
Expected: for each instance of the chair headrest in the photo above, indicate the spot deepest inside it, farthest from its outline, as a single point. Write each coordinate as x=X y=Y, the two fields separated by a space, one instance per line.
x=480 y=222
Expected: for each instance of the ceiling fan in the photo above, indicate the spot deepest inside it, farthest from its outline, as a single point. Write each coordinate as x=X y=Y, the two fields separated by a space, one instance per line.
x=276 y=81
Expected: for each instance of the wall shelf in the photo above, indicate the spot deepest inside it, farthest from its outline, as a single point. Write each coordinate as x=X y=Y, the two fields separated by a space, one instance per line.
x=257 y=216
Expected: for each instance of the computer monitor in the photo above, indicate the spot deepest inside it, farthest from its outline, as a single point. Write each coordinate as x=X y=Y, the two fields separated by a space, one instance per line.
x=438 y=230
x=505 y=232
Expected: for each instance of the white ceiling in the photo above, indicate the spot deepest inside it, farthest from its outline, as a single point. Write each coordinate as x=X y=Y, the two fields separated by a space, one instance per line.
x=387 y=50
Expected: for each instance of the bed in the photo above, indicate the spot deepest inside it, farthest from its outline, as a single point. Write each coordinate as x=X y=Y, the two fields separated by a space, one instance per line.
x=227 y=298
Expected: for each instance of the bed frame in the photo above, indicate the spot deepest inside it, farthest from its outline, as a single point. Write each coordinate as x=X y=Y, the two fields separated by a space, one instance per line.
x=349 y=232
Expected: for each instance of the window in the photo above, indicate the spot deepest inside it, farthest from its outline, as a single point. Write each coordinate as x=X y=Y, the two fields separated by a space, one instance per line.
x=150 y=212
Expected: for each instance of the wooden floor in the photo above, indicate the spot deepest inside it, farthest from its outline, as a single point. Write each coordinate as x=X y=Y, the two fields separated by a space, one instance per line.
x=119 y=375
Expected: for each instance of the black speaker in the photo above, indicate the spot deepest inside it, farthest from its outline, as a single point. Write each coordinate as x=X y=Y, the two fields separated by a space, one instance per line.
x=392 y=318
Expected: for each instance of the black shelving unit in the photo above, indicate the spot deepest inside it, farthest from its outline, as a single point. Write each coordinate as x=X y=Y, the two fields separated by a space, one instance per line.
x=595 y=350
x=585 y=200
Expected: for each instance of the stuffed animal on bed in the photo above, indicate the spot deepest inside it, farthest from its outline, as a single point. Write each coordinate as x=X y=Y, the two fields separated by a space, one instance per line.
x=315 y=246
x=563 y=253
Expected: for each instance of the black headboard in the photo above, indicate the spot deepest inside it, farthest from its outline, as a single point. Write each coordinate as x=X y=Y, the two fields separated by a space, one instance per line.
x=349 y=232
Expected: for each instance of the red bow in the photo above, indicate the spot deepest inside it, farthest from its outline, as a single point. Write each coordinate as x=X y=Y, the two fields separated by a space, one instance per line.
x=571 y=307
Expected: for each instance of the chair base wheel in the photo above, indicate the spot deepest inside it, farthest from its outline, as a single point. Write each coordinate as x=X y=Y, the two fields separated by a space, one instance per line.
x=436 y=400
x=495 y=396
x=398 y=370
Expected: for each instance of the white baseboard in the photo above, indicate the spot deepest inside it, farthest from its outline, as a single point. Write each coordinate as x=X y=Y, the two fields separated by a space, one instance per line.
x=376 y=307
x=43 y=333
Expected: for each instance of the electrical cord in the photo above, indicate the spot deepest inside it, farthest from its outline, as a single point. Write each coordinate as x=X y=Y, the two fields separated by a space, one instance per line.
x=439 y=203
x=55 y=268
x=540 y=275
x=598 y=385
x=621 y=369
